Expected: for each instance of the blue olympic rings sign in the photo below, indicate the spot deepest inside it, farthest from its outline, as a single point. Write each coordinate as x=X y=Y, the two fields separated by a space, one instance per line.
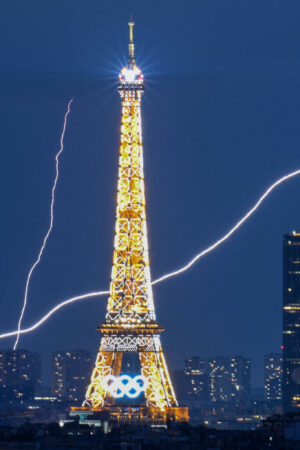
x=124 y=385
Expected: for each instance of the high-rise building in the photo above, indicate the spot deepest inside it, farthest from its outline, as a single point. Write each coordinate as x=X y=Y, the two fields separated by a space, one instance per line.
x=291 y=322
x=273 y=377
x=197 y=379
x=71 y=371
x=230 y=379
x=219 y=379
x=242 y=370
x=20 y=372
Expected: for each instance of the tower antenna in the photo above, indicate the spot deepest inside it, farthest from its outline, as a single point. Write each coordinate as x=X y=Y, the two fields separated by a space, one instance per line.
x=131 y=44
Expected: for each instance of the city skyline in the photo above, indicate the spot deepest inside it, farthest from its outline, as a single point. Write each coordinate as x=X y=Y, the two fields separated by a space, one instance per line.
x=46 y=362
x=218 y=390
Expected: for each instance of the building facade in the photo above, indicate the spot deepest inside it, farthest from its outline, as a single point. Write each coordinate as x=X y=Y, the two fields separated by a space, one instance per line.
x=291 y=322
x=197 y=380
x=220 y=379
x=230 y=379
x=273 y=378
x=71 y=371
x=20 y=373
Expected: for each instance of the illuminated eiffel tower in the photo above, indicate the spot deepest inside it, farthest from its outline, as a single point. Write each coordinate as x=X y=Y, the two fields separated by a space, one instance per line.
x=130 y=380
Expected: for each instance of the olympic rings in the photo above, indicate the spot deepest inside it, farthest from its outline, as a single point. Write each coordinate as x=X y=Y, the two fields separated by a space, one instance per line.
x=124 y=385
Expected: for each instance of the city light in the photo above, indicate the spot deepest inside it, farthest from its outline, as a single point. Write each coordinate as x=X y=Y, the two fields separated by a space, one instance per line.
x=37 y=261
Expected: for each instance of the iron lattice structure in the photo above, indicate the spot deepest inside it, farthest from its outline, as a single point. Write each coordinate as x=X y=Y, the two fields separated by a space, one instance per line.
x=130 y=324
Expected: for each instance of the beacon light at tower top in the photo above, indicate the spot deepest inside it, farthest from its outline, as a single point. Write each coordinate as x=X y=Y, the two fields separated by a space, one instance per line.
x=131 y=81
x=131 y=75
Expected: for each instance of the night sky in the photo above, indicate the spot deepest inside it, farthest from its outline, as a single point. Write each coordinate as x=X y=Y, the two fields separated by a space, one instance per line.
x=221 y=121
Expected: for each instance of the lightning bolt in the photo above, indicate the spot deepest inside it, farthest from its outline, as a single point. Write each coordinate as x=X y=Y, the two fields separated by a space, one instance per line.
x=38 y=259
x=170 y=274
x=232 y=230
x=51 y=312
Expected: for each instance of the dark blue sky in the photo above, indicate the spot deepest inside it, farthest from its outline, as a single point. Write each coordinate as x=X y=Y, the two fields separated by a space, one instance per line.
x=221 y=117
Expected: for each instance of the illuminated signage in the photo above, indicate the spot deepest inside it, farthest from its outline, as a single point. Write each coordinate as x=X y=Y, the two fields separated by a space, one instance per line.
x=125 y=385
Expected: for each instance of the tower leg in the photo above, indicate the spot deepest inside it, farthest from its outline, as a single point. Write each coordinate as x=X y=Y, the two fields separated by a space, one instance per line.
x=159 y=391
x=107 y=363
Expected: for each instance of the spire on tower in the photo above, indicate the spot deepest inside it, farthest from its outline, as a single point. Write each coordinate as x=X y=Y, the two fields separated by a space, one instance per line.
x=131 y=76
x=131 y=44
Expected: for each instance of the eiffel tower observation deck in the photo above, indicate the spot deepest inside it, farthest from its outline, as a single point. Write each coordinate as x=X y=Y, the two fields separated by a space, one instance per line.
x=130 y=380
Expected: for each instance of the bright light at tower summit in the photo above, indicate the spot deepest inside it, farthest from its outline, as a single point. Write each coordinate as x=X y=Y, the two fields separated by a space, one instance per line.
x=131 y=75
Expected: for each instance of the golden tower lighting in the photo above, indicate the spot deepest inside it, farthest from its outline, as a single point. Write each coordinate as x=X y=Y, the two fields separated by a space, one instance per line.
x=130 y=328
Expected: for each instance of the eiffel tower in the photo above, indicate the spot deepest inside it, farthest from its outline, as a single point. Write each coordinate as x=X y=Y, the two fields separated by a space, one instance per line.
x=130 y=380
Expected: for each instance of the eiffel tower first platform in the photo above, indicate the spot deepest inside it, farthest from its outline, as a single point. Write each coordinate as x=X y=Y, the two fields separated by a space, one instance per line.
x=130 y=380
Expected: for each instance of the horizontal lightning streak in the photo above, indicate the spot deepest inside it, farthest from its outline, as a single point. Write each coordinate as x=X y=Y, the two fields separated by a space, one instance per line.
x=171 y=274
x=51 y=312
x=38 y=259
